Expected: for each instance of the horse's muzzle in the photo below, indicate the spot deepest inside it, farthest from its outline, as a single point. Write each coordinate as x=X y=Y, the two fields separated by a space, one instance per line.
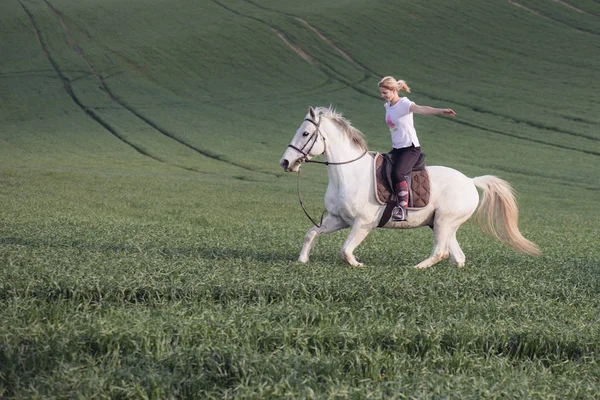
x=289 y=167
x=284 y=164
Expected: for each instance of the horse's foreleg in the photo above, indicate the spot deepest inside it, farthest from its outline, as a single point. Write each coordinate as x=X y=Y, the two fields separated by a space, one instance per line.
x=331 y=223
x=356 y=236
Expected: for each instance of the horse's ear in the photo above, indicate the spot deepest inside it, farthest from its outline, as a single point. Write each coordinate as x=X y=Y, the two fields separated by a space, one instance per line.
x=311 y=111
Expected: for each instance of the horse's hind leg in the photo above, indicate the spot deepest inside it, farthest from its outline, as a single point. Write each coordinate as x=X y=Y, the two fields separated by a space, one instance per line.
x=441 y=234
x=445 y=243
x=457 y=257
x=331 y=223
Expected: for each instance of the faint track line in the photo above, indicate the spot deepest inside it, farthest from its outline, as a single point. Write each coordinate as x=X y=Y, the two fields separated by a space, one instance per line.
x=104 y=87
x=581 y=30
x=69 y=89
x=514 y=3
x=336 y=48
x=322 y=36
x=457 y=121
x=296 y=49
x=566 y=181
x=579 y=10
x=535 y=125
x=325 y=68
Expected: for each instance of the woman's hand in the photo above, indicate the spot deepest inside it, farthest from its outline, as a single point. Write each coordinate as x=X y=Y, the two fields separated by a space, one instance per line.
x=448 y=111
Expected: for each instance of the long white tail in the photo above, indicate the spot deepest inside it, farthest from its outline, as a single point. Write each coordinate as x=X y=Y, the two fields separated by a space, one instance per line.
x=498 y=215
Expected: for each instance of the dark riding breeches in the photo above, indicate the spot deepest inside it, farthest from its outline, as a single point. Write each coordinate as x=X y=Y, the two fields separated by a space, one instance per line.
x=404 y=160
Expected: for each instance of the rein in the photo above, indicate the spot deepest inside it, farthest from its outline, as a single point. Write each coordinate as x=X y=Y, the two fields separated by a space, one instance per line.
x=304 y=209
x=305 y=159
x=336 y=163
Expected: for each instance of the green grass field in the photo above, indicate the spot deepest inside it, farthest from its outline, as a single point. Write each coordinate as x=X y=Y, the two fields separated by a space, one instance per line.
x=148 y=236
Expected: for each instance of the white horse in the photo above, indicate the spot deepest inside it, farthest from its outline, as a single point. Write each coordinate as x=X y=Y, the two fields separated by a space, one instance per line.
x=350 y=198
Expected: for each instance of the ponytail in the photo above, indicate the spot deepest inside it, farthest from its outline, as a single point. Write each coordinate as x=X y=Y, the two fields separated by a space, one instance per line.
x=403 y=86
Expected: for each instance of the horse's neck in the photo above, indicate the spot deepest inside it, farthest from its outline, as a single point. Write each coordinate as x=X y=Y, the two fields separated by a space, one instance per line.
x=342 y=151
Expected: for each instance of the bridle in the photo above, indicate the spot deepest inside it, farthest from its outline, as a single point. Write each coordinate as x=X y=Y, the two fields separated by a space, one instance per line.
x=314 y=137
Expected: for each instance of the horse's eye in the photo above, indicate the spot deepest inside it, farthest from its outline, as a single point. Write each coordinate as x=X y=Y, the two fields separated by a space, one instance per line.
x=305 y=134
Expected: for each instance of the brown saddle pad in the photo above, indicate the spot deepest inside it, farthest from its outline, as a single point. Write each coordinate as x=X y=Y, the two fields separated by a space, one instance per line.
x=419 y=188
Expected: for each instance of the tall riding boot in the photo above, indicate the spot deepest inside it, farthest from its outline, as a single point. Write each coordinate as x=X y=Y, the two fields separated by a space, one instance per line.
x=399 y=213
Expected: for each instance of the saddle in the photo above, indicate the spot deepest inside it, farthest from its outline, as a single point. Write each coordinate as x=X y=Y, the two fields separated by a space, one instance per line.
x=417 y=179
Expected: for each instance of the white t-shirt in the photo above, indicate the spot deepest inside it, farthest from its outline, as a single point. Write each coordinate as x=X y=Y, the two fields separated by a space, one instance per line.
x=400 y=120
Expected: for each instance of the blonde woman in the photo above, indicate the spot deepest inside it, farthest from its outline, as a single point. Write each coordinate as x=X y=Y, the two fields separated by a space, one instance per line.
x=406 y=148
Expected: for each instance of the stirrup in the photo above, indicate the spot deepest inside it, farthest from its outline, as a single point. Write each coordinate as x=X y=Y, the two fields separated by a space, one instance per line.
x=399 y=214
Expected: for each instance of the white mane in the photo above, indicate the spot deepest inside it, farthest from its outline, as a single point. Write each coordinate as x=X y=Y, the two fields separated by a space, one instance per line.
x=345 y=126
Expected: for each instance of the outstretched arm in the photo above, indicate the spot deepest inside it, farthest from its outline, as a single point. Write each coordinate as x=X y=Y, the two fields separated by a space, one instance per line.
x=426 y=110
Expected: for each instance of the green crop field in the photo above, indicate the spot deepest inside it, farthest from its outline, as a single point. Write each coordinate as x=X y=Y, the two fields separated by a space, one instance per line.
x=149 y=238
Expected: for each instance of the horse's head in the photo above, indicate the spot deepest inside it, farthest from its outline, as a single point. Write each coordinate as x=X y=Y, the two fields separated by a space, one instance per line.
x=306 y=144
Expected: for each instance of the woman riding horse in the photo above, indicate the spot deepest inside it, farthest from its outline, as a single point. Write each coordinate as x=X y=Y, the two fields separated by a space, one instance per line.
x=406 y=148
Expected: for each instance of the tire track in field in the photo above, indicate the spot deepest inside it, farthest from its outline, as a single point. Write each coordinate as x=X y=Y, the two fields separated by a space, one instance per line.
x=324 y=38
x=579 y=10
x=514 y=135
x=69 y=89
x=535 y=125
x=315 y=30
x=296 y=49
x=336 y=48
x=327 y=69
x=514 y=3
x=104 y=87
x=564 y=180
x=537 y=13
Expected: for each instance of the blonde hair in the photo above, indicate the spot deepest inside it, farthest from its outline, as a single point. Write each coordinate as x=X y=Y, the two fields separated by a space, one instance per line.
x=390 y=83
